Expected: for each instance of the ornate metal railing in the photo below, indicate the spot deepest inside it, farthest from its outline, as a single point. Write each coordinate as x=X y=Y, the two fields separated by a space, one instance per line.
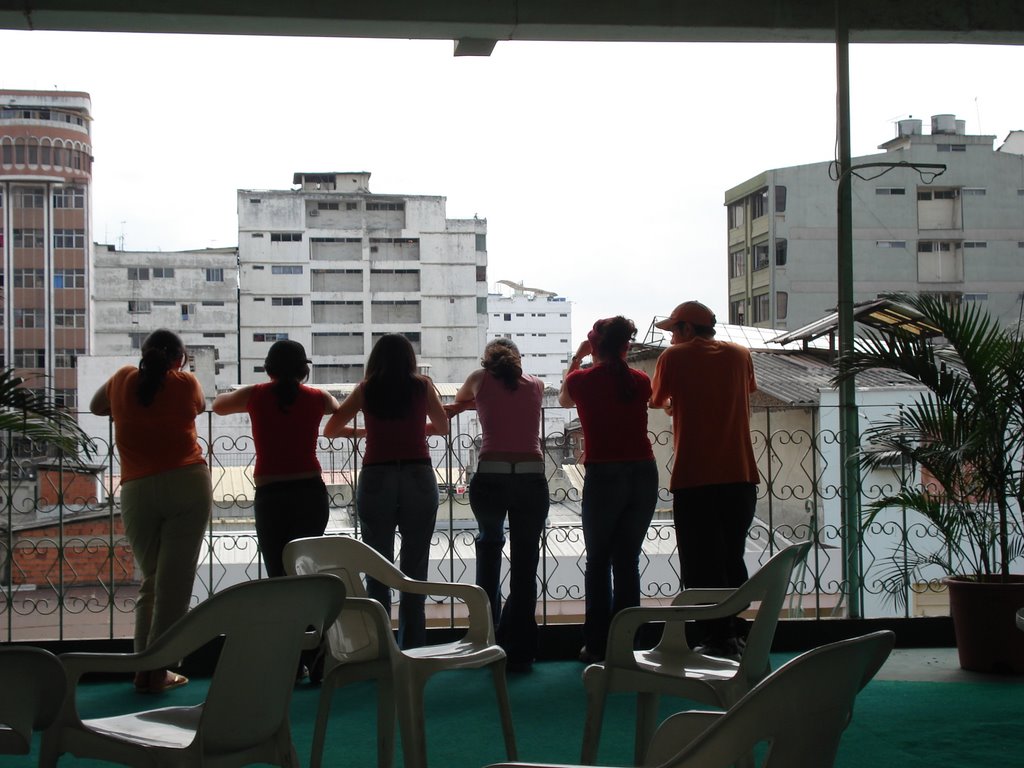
x=66 y=569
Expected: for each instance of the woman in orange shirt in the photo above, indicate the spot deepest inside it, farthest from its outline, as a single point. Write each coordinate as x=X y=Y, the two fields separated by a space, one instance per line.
x=166 y=493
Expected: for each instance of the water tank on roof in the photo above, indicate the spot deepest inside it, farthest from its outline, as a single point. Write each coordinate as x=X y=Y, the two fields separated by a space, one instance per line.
x=908 y=127
x=944 y=124
x=961 y=127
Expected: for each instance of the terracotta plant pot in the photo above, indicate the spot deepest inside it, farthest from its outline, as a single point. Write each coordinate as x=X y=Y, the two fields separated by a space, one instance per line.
x=984 y=618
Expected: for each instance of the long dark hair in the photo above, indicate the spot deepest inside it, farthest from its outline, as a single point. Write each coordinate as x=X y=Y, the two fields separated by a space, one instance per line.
x=391 y=380
x=502 y=360
x=287 y=365
x=610 y=338
x=162 y=350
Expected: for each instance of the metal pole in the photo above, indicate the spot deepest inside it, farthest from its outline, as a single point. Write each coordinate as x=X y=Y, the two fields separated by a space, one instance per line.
x=849 y=428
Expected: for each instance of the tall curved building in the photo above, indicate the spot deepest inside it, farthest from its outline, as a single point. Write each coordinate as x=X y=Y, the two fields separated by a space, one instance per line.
x=45 y=175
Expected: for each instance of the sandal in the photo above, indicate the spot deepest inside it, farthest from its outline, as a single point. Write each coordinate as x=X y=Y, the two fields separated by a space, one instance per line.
x=159 y=681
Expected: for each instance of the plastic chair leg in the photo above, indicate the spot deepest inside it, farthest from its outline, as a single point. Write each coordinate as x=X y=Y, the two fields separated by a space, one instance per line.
x=320 y=729
x=505 y=709
x=592 y=727
x=646 y=716
x=385 y=724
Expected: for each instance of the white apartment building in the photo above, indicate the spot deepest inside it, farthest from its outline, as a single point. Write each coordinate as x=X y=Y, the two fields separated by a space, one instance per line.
x=193 y=293
x=959 y=235
x=333 y=266
x=539 y=322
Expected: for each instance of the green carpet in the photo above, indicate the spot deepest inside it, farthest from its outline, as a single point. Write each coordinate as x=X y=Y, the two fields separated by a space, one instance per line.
x=906 y=724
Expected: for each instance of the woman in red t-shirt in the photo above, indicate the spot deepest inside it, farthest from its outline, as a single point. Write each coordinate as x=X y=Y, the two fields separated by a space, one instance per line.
x=620 y=487
x=291 y=499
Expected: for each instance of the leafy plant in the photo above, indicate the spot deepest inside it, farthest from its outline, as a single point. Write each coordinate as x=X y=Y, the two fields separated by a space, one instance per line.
x=29 y=414
x=964 y=433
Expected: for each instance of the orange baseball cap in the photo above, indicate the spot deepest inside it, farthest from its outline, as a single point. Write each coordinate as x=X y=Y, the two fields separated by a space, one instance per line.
x=688 y=312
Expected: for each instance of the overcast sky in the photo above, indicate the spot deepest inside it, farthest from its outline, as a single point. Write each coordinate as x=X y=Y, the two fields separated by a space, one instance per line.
x=600 y=167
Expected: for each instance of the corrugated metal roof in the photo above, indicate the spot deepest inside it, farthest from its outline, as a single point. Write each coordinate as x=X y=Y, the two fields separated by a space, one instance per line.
x=797 y=378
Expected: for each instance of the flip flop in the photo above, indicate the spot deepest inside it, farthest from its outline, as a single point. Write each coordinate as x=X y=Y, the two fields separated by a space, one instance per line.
x=170 y=680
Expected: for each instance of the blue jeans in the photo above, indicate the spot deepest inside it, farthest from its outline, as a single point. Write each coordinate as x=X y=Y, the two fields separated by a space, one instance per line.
x=618 y=503
x=524 y=500
x=400 y=496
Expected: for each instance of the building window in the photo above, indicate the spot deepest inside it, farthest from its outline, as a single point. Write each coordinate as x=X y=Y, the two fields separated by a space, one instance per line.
x=975 y=244
x=286 y=237
x=67 y=358
x=163 y=272
x=29 y=197
x=135 y=340
x=761 y=258
x=140 y=307
x=213 y=303
x=28 y=238
x=738 y=312
x=29 y=318
x=761 y=308
x=69 y=278
x=214 y=335
x=951 y=147
x=327 y=206
x=214 y=275
x=286 y=301
x=385 y=206
x=735 y=213
x=286 y=269
x=138 y=273
x=69 y=238
x=69 y=318
x=738 y=263
x=975 y=191
x=187 y=311
x=481 y=242
x=780 y=198
x=939 y=261
x=255 y=234
x=781 y=304
x=759 y=204
x=270 y=337
x=29 y=358
x=937 y=194
x=68 y=197
x=975 y=298
x=781 y=251
x=27 y=278
x=890 y=191
x=891 y=243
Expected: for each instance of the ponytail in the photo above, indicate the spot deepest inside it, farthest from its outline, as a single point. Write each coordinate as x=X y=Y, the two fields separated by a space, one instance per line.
x=161 y=351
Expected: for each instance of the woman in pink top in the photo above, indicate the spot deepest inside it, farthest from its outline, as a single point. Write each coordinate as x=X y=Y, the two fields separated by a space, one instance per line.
x=397 y=486
x=509 y=482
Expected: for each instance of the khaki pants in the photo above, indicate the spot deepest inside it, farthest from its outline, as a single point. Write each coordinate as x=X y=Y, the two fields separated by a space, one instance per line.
x=165 y=519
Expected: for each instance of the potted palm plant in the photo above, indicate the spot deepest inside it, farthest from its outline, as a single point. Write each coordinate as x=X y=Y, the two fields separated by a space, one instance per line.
x=965 y=434
x=29 y=414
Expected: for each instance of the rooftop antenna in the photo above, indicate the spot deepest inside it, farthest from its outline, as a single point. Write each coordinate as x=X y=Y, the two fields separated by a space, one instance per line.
x=120 y=239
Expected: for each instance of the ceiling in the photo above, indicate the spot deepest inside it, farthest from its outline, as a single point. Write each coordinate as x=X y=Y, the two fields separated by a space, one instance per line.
x=477 y=24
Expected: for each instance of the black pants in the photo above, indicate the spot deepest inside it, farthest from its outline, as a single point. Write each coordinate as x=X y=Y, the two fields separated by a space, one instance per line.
x=290 y=509
x=711 y=533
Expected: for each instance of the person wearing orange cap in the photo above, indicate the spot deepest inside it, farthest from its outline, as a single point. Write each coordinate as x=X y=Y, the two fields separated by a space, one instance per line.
x=705 y=386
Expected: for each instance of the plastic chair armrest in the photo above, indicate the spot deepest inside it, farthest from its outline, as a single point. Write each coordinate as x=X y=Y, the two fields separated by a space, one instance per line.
x=676 y=733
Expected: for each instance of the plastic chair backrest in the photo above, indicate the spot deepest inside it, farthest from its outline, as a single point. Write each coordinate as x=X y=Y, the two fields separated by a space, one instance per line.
x=264 y=625
x=801 y=709
x=33 y=685
x=353 y=636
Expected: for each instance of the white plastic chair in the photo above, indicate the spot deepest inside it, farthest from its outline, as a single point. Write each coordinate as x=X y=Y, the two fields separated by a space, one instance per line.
x=800 y=711
x=33 y=684
x=672 y=667
x=245 y=716
x=362 y=646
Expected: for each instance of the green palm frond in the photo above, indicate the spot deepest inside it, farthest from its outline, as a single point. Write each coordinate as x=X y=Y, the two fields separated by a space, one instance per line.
x=30 y=414
x=966 y=430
